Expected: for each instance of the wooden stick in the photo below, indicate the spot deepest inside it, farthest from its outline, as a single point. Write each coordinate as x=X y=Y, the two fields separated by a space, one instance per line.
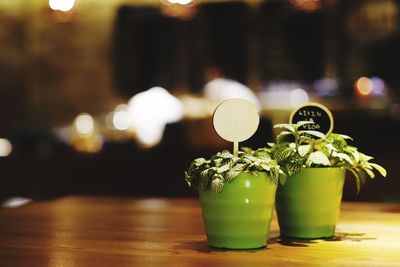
x=235 y=148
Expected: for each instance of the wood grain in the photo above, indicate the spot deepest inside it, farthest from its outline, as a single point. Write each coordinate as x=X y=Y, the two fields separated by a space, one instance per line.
x=93 y=231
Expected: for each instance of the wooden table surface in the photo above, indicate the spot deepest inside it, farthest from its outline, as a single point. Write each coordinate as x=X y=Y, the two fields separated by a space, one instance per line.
x=93 y=231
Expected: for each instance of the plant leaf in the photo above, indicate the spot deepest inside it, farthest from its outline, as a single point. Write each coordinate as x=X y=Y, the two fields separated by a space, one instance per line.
x=379 y=168
x=199 y=161
x=231 y=175
x=205 y=176
x=345 y=136
x=274 y=174
x=223 y=168
x=282 y=153
x=364 y=157
x=293 y=168
x=271 y=144
x=282 y=178
x=217 y=162
x=356 y=156
x=357 y=178
x=265 y=167
x=217 y=185
x=345 y=157
x=318 y=158
x=313 y=133
x=304 y=150
x=286 y=126
x=370 y=173
x=225 y=154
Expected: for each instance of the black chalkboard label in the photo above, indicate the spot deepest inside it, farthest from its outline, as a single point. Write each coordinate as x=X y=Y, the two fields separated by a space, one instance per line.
x=319 y=114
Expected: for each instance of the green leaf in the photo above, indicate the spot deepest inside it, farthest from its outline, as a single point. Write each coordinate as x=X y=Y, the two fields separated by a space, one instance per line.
x=223 y=168
x=235 y=171
x=379 y=168
x=318 y=158
x=313 y=133
x=246 y=150
x=262 y=155
x=357 y=179
x=274 y=174
x=225 y=154
x=265 y=167
x=271 y=144
x=199 y=161
x=217 y=185
x=188 y=179
x=286 y=126
x=282 y=135
x=370 y=173
x=217 y=162
x=304 y=150
x=344 y=157
x=356 y=156
x=282 y=153
x=231 y=175
x=364 y=157
x=206 y=175
x=293 y=168
x=345 y=136
x=282 y=178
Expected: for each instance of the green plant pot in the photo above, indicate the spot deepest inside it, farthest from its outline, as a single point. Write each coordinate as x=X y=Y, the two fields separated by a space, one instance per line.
x=308 y=205
x=240 y=216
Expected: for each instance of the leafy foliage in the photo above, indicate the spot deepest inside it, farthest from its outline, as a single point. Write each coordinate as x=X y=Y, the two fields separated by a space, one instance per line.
x=296 y=149
x=224 y=167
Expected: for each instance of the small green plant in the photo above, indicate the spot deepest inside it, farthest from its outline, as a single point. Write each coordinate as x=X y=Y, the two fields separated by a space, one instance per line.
x=224 y=167
x=296 y=149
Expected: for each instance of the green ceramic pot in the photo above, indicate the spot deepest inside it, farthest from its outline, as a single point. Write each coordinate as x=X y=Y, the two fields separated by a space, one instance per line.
x=240 y=216
x=308 y=205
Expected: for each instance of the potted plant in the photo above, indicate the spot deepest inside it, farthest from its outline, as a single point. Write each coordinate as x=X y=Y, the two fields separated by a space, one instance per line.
x=308 y=205
x=237 y=195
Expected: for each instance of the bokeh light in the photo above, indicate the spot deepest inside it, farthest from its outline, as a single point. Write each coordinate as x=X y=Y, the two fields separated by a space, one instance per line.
x=283 y=95
x=378 y=86
x=5 y=147
x=364 y=86
x=221 y=89
x=120 y=120
x=150 y=111
x=298 y=97
x=307 y=5
x=84 y=125
x=180 y=2
x=62 y=5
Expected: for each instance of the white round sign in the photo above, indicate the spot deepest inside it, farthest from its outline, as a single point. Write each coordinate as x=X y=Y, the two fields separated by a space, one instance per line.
x=236 y=120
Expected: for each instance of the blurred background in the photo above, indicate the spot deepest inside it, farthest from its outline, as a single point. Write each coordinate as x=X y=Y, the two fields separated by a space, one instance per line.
x=115 y=97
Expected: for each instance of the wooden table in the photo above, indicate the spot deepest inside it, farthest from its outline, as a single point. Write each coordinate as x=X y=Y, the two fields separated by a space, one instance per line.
x=92 y=231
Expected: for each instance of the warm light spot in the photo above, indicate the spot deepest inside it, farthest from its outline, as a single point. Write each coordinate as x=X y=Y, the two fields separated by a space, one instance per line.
x=221 y=89
x=298 y=97
x=84 y=125
x=5 y=147
x=121 y=120
x=307 y=5
x=364 y=86
x=150 y=111
x=246 y=200
x=180 y=2
x=62 y=5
